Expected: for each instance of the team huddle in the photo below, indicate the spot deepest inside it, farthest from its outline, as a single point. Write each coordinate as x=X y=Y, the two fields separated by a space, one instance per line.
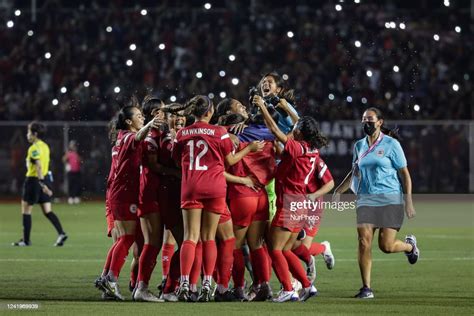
x=213 y=196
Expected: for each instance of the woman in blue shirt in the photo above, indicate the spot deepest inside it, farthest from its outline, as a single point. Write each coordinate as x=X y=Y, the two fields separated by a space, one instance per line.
x=382 y=183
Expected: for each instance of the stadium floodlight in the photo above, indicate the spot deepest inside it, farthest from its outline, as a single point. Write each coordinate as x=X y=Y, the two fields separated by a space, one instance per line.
x=349 y=99
x=388 y=95
x=207 y=6
x=222 y=94
x=436 y=37
x=55 y=102
x=129 y=62
x=338 y=7
x=387 y=25
x=455 y=87
x=402 y=26
x=63 y=90
x=143 y=12
x=393 y=25
x=285 y=77
x=235 y=81
x=108 y=29
x=199 y=75
x=363 y=100
x=132 y=47
x=357 y=44
x=457 y=29
x=222 y=73
x=30 y=33
x=290 y=34
x=446 y=3
x=10 y=24
x=173 y=98
x=117 y=89
x=211 y=95
x=331 y=96
x=47 y=55
x=369 y=73
x=356 y=1
x=416 y=107
x=396 y=69
x=17 y=12
x=161 y=46
x=86 y=84
x=231 y=57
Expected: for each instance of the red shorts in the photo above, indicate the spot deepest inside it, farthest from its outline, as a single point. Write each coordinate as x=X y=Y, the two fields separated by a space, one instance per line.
x=246 y=210
x=124 y=211
x=311 y=230
x=148 y=208
x=214 y=205
x=283 y=218
x=225 y=217
x=170 y=207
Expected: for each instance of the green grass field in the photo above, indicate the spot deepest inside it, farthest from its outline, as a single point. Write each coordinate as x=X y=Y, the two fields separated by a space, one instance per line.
x=61 y=279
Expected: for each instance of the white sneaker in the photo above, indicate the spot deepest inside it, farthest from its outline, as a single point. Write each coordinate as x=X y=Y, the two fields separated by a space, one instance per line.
x=286 y=296
x=112 y=289
x=308 y=292
x=311 y=270
x=328 y=256
x=60 y=240
x=170 y=297
x=144 y=295
x=297 y=286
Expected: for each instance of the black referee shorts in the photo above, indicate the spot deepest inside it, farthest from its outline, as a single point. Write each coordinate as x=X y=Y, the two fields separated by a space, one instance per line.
x=32 y=192
x=386 y=216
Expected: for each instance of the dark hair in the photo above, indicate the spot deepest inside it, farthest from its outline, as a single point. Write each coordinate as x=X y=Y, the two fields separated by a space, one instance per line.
x=124 y=114
x=387 y=131
x=231 y=119
x=149 y=104
x=173 y=108
x=112 y=130
x=198 y=105
x=285 y=92
x=309 y=128
x=37 y=128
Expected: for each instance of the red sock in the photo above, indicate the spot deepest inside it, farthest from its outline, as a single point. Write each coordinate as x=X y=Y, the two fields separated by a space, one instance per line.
x=225 y=261
x=238 y=269
x=281 y=269
x=120 y=253
x=166 y=256
x=317 y=249
x=108 y=261
x=173 y=278
x=260 y=265
x=303 y=253
x=269 y=260
x=188 y=250
x=134 y=274
x=147 y=262
x=209 y=257
x=296 y=268
x=197 y=265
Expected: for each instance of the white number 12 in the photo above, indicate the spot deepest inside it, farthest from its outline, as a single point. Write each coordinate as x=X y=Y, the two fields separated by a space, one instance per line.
x=196 y=164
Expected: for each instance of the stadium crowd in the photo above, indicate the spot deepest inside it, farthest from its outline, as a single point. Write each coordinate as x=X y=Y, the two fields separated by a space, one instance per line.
x=78 y=58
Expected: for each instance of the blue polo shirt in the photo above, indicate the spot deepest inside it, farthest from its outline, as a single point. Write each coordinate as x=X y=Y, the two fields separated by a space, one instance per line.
x=378 y=181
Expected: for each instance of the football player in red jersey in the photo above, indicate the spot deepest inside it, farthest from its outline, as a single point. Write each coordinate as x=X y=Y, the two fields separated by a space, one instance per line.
x=203 y=149
x=294 y=172
x=124 y=191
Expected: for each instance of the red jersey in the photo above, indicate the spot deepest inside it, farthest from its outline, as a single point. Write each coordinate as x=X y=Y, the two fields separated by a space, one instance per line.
x=260 y=165
x=74 y=161
x=110 y=178
x=322 y=175
x=149 y=180
x=296 y=169
x=202 y=148
x=126 y=184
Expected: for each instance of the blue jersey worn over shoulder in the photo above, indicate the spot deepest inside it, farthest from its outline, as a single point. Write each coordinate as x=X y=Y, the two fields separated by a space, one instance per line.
x=379 y=183
x=256 y=132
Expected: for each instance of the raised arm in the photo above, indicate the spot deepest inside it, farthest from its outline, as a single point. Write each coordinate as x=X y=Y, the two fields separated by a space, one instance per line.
x=272 y=125
x=143 y=132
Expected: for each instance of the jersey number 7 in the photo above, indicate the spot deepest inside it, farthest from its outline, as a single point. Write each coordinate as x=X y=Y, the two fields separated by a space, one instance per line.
x=313 y=162
x=194 y=162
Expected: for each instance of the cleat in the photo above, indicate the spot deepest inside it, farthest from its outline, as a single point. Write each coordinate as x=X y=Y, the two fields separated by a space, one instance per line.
x=365 y=293
x=415 y=253
x=205 y=295
x=193 y=296
x=170 y=297
x=183 y=292
x=239 y=294
x=144 y=295
x=311 y=269
x=328 y=256
x=161 y=287
x=297 y=286
x=131 y=287
x=21 y=243
x=307 y=293
x=106 y=297
x=60 y=241
x=286 y=296
x=112 y=289
x=98 y=284
x=227 y=296
x=263 y=293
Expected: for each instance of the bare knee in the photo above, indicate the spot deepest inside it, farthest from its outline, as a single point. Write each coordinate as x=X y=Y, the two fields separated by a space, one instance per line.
x=365 y=242
x=386 y=247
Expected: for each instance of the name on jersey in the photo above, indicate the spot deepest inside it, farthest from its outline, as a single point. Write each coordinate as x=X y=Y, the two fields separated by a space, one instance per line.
x=198 y=131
